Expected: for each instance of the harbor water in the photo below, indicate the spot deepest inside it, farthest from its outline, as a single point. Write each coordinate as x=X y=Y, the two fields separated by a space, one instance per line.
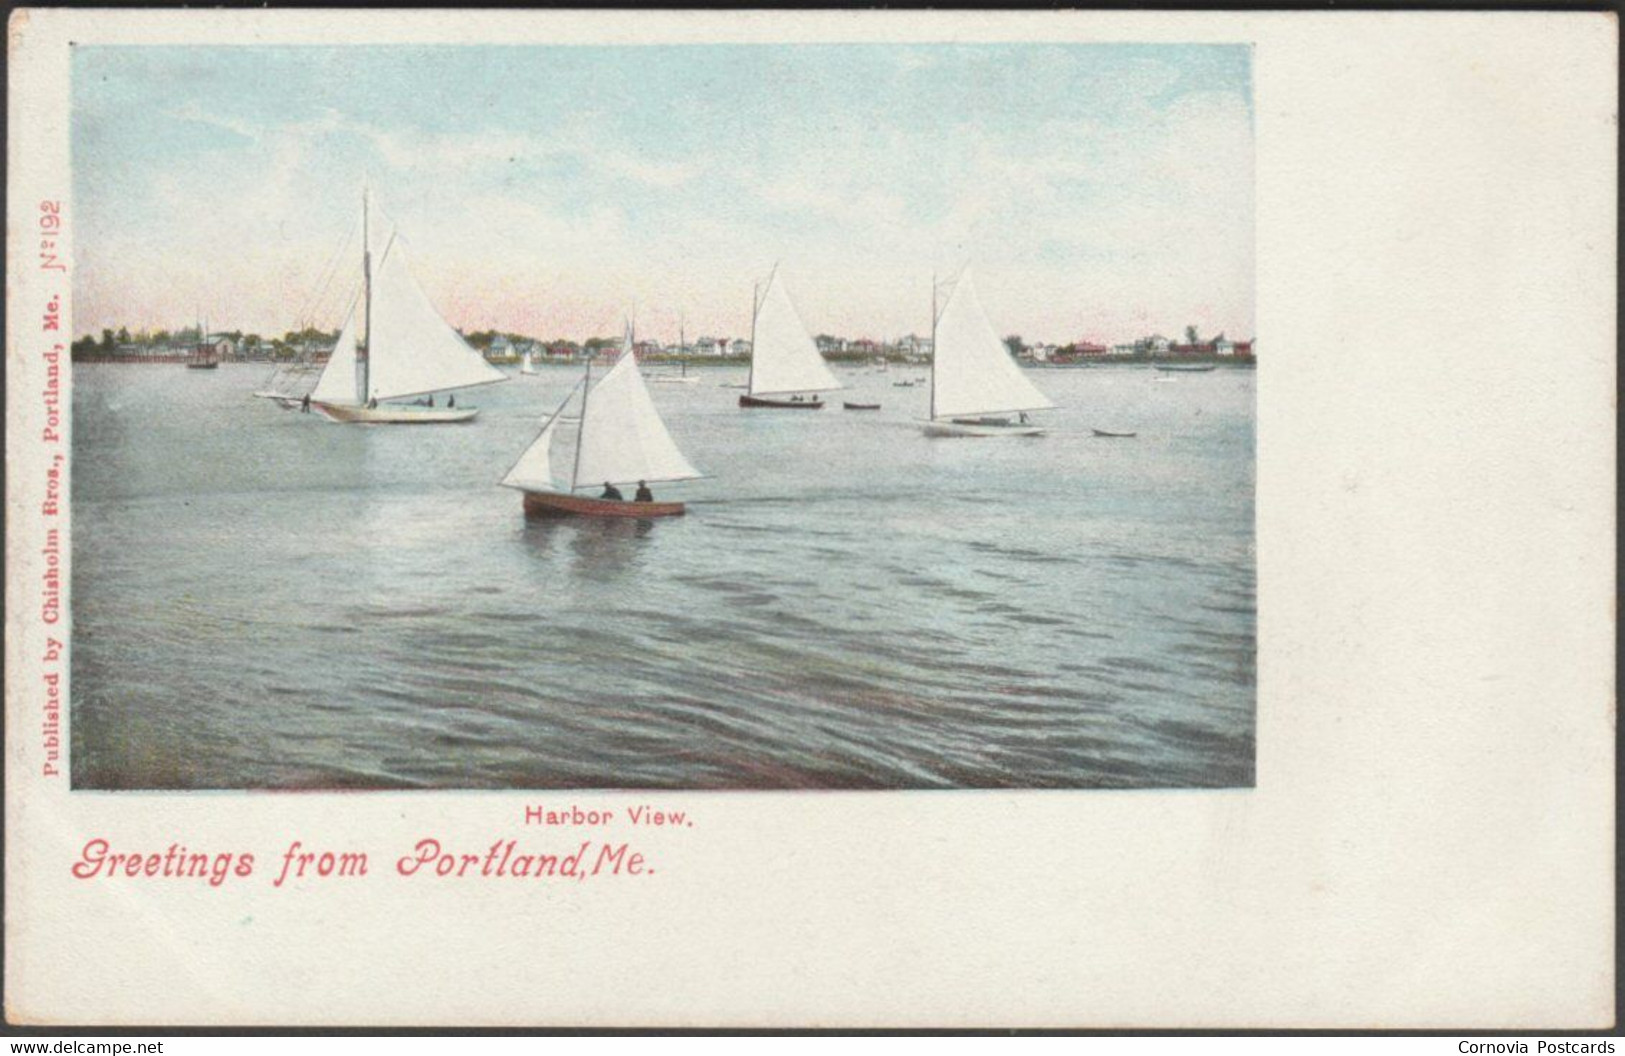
x=262 y=599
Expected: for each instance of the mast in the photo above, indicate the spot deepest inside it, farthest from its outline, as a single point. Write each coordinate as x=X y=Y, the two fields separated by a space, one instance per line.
x=933 y=412
x=581 y=430
x=755 y=305
x=364 y=365
x=682 y=345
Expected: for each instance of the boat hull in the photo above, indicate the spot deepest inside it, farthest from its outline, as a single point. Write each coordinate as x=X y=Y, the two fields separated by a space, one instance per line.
x=860 y=406
x=952 y=428
x=1181 y=368
x=1107 y=433
x=386 y=414
x=558 y=504
x=202 y=366
x=814 y=404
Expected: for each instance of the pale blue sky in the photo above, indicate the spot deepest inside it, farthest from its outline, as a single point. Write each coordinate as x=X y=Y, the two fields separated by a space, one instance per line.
x=1098 y=190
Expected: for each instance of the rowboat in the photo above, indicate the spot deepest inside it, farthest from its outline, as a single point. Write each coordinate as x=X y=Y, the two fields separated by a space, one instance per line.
x=1107 y=432
x=849 y=405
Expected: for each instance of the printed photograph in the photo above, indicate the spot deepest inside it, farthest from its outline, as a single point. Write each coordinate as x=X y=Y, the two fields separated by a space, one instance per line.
x=691 y=417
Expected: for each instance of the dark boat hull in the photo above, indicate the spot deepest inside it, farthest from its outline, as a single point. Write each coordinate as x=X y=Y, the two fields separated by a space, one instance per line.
x=557 y=504
x=860 y=406
x=202 y=366
x=748 y=400
x=1103 y=432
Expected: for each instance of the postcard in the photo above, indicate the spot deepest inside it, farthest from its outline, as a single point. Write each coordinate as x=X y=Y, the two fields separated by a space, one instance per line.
x=846 y=518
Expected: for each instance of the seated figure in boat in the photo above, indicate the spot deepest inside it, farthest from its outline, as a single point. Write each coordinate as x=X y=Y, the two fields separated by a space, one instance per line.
x=643 y=493
x=611 y=492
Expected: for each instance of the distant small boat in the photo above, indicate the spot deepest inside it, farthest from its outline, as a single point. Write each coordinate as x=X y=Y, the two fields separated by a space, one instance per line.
x=1186 y=368
x=903 y=384
x=1107 y=432
x=528 y=366
x=681 y=378
x=849 y=405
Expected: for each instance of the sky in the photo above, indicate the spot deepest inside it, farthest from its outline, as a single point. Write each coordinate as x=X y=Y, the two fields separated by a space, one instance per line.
x=1099 y=192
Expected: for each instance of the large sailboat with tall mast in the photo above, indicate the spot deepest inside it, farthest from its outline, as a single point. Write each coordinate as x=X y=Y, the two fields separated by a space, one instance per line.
x=409 y=351
x=976 y=388
x=620 y=440
x=784 y=362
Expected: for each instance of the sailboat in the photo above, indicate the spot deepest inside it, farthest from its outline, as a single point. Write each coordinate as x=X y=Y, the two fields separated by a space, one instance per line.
x=410 y=351
x=783 y=359
x=681 y=377
x=976 y=388
x=620 y=440
x=204 y=356
x=528 y=364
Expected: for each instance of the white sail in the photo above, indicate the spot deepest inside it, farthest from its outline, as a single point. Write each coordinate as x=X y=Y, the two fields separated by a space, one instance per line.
x=534 y=470
x=411 y=350
x=623 y=439
x=972 y=371
x=338 y=381
x=783 y=358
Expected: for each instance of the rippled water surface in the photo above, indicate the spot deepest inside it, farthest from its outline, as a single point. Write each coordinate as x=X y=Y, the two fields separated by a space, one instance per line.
x=262 y=599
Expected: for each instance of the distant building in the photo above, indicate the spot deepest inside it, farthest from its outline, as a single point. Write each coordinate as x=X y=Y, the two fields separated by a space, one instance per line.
x=826 y=343
x=647 y=348
x=710 y=346
x=739 y=347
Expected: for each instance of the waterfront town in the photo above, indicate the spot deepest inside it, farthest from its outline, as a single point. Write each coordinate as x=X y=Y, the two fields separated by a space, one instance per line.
x=313 y=346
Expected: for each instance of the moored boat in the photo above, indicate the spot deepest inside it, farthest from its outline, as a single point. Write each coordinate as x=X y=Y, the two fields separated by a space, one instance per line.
x=1186 y=368
x=1109 y=433
x=849 y=405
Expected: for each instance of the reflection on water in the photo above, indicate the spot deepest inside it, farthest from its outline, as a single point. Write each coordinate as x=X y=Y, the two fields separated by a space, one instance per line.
x=264 y=600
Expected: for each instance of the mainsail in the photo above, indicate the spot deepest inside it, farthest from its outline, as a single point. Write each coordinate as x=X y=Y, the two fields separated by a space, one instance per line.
x=338 y=381
x=783 y=359
x=621 y=440
x=972 y=372
x=411 y=350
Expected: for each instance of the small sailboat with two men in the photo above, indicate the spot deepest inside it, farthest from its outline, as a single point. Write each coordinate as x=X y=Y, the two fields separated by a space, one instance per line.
x=621 y=442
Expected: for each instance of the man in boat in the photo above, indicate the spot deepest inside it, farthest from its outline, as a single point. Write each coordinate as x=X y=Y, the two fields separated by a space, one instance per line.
x=643 y=493
x=304 y=403
x=611 y=492
x=372 y=404
x=451 y=401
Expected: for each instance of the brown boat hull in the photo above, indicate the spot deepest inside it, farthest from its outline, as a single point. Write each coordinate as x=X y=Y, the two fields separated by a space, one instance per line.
x=557 y=504
x=783 y=405
x=861 y=406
